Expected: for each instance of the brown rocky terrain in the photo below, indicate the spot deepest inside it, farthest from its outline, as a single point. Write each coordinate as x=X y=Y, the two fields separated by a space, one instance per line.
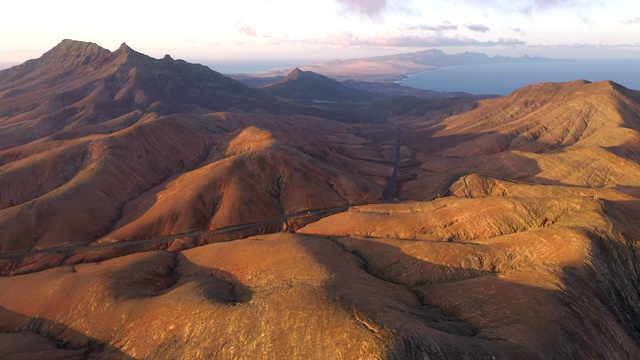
x=112 y=173
x=135 y=226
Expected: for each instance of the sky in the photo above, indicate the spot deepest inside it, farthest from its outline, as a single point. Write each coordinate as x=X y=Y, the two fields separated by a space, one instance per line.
x=325 y=29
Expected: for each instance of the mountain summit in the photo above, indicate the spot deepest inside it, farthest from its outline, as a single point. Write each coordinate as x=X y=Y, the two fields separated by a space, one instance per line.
x=295 y=74
x=77 y=83
x=308 y=86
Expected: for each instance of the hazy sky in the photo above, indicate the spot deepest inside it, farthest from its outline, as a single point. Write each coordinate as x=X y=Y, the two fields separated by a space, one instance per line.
x=325 y=29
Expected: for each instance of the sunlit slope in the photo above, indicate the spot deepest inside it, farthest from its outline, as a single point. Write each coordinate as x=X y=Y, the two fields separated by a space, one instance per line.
x=534 y=265
x=178 y=173
x=279 y=296
x=576 y=133
x=118 y=145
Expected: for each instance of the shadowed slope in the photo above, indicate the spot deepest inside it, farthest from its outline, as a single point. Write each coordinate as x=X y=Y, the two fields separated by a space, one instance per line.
x=24 y=337
x=312 y=87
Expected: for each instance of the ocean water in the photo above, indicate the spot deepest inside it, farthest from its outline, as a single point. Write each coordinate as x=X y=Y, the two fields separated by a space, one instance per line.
x=502 y=79
x=249 y=66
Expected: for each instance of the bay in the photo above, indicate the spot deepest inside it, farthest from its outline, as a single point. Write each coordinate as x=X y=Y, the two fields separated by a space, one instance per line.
x=504 y=78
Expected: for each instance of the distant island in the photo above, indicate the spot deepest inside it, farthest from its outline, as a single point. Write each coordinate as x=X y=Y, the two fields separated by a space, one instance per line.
x=396 y=67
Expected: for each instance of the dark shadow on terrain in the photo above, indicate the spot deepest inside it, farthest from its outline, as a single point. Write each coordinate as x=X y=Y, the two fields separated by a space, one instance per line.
x=631 y=115
x=589 y=319
x=432 y=109
x=391 y=264
x=150 y=276
x=628 y=151
x=217 y=285
x=25 y=337
x=624 y=216
x=159 y=273
x=612 y=311
x=418 y=329
x=424 y=147
x=378 y=111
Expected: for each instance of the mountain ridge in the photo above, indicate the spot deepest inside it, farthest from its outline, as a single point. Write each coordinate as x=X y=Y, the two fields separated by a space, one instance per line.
x=79 y=83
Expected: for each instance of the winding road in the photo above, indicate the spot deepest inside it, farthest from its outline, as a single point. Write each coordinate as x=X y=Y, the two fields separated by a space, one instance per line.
x=150 y=242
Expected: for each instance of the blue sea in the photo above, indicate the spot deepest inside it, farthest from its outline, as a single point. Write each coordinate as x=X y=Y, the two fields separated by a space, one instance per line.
x=504 y=78
x=250 y=66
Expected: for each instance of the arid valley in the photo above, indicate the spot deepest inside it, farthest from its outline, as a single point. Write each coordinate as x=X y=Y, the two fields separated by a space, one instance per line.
x=156 y=209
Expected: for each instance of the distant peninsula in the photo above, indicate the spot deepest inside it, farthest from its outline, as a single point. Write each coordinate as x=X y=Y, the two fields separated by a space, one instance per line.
x=397 y=66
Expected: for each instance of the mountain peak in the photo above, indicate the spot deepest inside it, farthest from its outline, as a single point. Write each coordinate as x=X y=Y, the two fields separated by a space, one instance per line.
x=72 y=52
x=126 y=49
x=310 y=86
x=294 y=74
x=70 y=43
x=73 y=47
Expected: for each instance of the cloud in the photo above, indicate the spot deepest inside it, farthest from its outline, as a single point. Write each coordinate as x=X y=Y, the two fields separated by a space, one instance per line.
x=632 y=21
x=529 y=6
x=247 y=30
x=445 y=26
x=550 y=3
x=193 y=39
x=375 y=9
x=478 y=28
x=416 y=40
x=586 y=45
x=369 y=8
x=518 y=31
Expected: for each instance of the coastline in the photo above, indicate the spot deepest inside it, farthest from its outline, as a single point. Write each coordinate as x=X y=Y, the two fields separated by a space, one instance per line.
x=503 y=78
